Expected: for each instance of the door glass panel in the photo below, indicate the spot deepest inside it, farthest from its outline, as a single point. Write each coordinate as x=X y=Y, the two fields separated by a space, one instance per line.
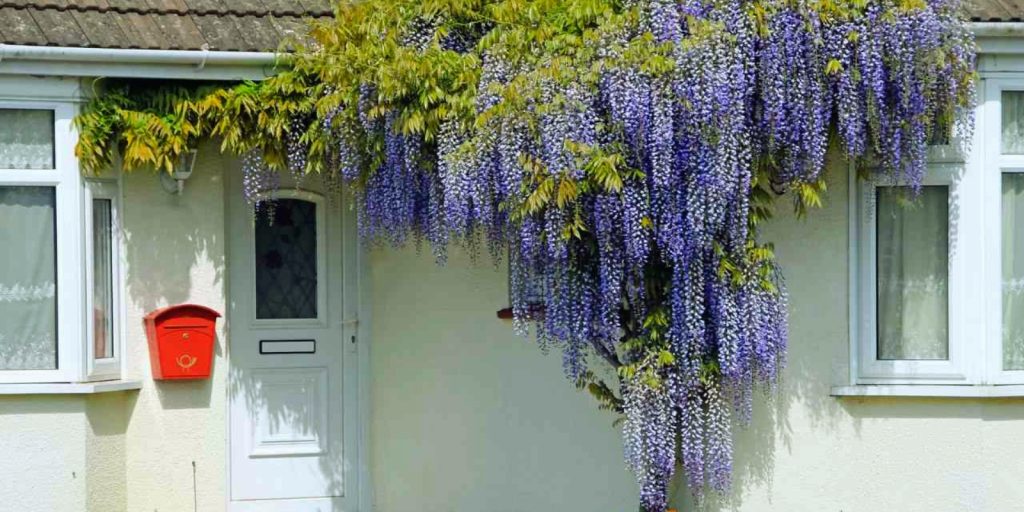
x=913 y=269
x=26 y=139
x=28 y=279
x=286 y=260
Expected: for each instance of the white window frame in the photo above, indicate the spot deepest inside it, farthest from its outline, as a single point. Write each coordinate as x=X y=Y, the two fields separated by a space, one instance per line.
x=73 y=257
x=975 y=278
x=993 y=165
x=107 y=368
x=66 y=181
x=873 y=370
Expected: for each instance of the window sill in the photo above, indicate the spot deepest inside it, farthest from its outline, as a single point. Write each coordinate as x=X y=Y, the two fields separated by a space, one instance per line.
x=76 y=388
x=948 y=391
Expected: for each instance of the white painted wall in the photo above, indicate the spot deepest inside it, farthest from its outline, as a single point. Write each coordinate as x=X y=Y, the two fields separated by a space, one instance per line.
x=62 y=453
x=466 y=416
x=135 y=450
x=176 y=255
x=42 y=442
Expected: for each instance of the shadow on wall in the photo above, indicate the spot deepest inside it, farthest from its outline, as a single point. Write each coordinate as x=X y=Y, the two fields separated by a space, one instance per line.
x=282 y=416
x=175 y=253
x=813 y=254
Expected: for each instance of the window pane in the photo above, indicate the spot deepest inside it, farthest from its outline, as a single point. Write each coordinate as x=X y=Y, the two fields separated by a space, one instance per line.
x=1013 y=122
x=1013 y=272
x=286 y=274
x=28 y=279
x=26 y=139
x=103 y=279
x=913 y=267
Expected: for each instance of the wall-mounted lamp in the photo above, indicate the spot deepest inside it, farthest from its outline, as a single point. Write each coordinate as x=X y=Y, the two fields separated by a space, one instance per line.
x=174 y=181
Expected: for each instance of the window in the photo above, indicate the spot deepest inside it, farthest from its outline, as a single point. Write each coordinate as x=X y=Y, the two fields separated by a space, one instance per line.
x=59 y=290
x=286 y=260
x=1004 y=223
x=912 y=273
x=28 y=279
x=103 y=295
x=912 y=280
x=939 y=275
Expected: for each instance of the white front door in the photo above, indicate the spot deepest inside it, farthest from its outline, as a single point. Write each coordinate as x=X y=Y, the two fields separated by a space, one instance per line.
x=292 y=383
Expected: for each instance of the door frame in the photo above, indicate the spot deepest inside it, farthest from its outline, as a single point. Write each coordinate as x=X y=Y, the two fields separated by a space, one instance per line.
x=353 y=247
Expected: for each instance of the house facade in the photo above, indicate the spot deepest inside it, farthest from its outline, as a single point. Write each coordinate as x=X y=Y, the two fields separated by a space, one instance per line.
x=354 y=379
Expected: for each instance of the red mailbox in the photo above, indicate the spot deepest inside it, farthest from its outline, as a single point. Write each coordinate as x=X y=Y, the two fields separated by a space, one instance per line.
x=181 y=341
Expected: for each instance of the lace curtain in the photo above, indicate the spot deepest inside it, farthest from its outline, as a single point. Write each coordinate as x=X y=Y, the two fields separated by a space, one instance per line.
x=28 y=280
x=26 y=139
x=1013 y=271
x=913 y=263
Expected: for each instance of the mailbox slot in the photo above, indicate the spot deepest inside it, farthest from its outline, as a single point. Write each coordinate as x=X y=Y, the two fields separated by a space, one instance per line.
x=273 y=347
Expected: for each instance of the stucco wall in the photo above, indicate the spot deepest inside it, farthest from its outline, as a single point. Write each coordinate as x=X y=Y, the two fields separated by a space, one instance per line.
x=177 y=431
x=467 y=416
x=43 y=462
x=62 y=453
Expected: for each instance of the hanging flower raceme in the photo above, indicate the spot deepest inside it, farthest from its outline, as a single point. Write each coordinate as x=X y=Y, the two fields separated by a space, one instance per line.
x=622 y=154
x=617 y=152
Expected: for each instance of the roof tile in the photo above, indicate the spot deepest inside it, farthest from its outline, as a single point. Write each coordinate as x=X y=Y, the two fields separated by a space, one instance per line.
x=290 y=28
x=99 y=28
x=59 y=27
x=258 y=32
x=280 y=7
x=220 y=32
x=142 y=31
x=180 y=32
x=202 y=6
x=168 y=6
x=220 y=25
x=18 y=26
x=317 y=5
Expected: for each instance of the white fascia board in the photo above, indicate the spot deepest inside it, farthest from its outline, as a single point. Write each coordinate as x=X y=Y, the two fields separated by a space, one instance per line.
x=993 y=37
x=132 y=63
x=998 y=37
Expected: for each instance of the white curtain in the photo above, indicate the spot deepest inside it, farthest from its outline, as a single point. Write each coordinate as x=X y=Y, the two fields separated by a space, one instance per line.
x=1013 y=272
x=26 y=139
x=913 y=263
x=103 y=280
x=28 y=280
x=1013 y=122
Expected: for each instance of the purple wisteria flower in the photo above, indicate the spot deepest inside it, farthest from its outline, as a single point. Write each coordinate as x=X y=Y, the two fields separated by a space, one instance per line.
x=622 y=193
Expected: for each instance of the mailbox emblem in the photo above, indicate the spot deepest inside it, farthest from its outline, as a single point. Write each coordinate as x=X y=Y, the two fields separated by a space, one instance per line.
x=181 y=340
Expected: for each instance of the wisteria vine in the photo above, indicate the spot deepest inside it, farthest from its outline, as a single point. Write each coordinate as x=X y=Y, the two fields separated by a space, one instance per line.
x=622 y=153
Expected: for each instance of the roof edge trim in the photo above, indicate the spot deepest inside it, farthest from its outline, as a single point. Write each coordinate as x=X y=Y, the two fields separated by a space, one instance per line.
x=136 y=63
x=997 y=28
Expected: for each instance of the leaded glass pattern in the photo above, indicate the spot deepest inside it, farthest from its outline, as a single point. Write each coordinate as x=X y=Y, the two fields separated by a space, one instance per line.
x=286 y=260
